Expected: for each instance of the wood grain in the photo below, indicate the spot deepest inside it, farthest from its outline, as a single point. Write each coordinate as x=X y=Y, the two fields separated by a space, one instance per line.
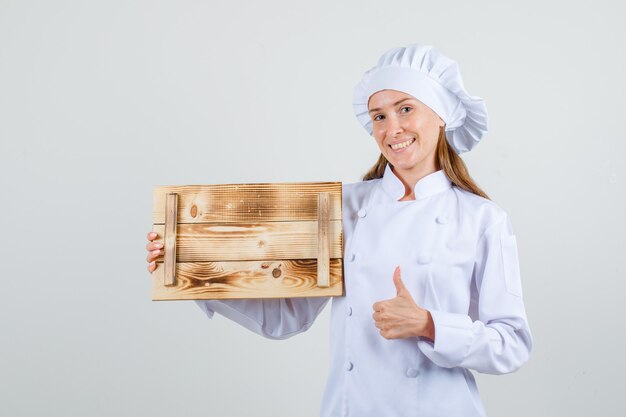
x=323 y=240
x=251 y=241
x=247 y=202
x=171 y=211
x=247 y=279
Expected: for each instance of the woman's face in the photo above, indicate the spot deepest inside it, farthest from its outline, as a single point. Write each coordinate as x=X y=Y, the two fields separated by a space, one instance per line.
x=399 y=118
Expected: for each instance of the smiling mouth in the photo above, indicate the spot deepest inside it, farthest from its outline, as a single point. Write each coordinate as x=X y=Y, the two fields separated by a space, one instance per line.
x=402 y=145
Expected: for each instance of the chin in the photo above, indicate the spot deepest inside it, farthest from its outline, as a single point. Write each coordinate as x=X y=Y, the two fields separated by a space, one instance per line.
x=403 y=164
x=405 y=167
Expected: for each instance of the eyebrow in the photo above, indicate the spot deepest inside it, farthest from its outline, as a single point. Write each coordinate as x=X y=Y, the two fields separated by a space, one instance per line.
x=395 y=104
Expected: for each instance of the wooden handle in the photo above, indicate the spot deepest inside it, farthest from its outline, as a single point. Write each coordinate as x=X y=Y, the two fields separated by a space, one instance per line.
x=323 y=240
x=171 y=210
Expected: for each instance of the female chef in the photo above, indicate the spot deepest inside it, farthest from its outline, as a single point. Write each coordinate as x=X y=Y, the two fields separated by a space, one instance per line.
x=432 y=279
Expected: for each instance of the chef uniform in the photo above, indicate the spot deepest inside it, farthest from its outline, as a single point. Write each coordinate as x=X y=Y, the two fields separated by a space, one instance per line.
x=458 y=257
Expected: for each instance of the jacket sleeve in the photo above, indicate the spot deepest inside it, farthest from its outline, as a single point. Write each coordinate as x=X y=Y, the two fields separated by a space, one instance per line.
x=273 y=318
x=499 y=341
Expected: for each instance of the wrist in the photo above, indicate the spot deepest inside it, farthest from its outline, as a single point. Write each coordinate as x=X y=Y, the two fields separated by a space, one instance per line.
x=429 y=326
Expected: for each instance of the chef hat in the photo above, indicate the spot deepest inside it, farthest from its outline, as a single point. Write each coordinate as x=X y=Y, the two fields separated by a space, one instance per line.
x=432 y=78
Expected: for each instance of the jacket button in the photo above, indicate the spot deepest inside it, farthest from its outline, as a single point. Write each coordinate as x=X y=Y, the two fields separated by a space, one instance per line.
x=362 y=212
x=412 y=372
x=349 y=311
x=441 y=219
x=349 y=366
x=424 y=259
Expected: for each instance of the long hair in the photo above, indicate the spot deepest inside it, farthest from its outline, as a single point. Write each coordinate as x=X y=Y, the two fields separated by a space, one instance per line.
x=446 y=159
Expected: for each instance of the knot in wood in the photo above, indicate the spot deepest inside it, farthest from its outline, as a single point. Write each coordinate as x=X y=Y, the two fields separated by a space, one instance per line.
x=276 y=272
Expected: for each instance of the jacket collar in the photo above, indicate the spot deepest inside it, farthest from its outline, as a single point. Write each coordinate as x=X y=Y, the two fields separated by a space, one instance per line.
x=426 y=186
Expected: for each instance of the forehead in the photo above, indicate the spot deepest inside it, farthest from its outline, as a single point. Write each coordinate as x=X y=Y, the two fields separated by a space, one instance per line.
x=389 y=97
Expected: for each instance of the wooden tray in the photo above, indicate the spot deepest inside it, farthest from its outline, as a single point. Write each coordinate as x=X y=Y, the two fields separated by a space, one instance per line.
x=265 y=240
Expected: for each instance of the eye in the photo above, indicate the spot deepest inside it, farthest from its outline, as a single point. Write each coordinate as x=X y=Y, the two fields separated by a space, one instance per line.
x=376 y=118
x=405 y=107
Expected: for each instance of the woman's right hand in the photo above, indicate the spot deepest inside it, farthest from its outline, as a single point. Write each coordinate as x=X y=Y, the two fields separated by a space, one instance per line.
x=154 y=251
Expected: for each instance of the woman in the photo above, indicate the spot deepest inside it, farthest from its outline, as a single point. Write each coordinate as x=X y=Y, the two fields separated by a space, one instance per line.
x=432 y=278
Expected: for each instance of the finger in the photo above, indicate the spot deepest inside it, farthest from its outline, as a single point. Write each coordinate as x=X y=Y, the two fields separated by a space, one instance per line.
x=153 y=255
x=397 y=280
x=152 y=236
x=151 y=266
x=154 y=245
x=377 y=306
x=389 y=334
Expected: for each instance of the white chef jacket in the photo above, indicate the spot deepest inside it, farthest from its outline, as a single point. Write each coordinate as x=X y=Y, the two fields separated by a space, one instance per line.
x=458 y=259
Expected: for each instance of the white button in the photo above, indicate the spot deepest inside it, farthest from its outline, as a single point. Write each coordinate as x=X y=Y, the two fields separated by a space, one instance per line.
x=352 y=257
x=442 y=219
x=349 y=366
x=349 y=311
x=424 y=258
x=412 y=372
x=362 y=212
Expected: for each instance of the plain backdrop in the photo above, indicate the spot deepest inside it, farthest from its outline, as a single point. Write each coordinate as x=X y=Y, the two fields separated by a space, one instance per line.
x=102 y=100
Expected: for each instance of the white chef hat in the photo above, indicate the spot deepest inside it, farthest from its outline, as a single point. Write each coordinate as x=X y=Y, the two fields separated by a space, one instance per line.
x=432 y=78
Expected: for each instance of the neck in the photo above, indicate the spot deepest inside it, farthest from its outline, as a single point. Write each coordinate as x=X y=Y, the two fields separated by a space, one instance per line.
x=410 y=177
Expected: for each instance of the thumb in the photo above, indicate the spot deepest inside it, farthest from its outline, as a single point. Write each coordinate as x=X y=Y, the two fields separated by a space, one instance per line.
x=397 y=280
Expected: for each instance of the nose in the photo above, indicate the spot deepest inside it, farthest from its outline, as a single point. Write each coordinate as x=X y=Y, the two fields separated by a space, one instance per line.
x=394 y=126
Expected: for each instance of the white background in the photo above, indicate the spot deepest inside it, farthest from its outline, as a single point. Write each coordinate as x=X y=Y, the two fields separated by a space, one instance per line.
x=102 y=100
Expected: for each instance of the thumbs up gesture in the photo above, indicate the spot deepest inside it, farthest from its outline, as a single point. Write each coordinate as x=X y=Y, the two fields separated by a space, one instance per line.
x=401 y=317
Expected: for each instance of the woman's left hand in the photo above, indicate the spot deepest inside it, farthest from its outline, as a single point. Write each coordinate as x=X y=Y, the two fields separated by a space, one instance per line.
x=401 y=317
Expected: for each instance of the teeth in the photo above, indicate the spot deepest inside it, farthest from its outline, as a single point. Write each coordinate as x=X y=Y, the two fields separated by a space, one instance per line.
x=403 y=144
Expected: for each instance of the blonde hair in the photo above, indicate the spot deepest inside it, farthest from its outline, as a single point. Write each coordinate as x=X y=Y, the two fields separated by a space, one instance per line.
x=446 y=159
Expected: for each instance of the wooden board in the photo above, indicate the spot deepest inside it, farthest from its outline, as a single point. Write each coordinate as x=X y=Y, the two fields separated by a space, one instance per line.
x=265 y=240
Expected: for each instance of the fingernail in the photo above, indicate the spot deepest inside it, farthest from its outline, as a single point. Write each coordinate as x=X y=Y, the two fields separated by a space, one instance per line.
x=152 y=263
x=152 y=234
x=154 y=252
x=159 y=245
